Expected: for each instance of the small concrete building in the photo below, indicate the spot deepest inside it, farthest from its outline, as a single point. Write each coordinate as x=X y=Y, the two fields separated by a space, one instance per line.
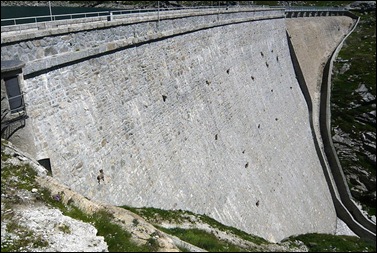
x=13 y=109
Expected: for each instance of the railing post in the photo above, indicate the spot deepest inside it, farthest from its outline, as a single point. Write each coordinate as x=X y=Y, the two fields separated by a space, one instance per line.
x=110 y=17
x=49 y=5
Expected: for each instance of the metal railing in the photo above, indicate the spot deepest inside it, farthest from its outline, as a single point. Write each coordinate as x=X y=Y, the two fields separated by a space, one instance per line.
x=308 y=8
x=21 y=104
x=38 y=19
x=87 y=17
x=48 y=18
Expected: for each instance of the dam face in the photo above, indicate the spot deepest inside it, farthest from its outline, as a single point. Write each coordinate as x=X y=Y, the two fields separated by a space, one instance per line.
x=212 y=121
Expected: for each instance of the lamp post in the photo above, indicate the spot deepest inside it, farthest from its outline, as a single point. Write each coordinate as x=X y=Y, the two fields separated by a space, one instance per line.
x=158 y=10
x=158 y=14
x=49 y=6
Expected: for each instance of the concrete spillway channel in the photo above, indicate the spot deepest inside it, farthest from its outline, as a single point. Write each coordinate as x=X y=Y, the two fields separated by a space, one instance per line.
x=345 y=206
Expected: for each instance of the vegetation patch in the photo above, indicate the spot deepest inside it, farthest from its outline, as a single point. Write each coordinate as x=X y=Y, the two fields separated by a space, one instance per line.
x=20 y=176
x=157 y=216
x=117 y=239
x=64 y=228
x=245 y=236
x=204 y=240
x=334 y=243
x=20 y=237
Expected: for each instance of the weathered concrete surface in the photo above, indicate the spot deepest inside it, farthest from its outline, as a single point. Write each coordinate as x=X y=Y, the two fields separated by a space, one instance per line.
x=211 y=121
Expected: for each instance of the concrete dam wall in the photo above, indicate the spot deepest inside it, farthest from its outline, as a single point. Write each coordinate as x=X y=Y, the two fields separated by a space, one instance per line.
x=207 y=116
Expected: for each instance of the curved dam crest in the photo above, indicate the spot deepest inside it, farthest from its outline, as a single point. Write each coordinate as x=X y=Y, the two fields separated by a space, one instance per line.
x=211 y=121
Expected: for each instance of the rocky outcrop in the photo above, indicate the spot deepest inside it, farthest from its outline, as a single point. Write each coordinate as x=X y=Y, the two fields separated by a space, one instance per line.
x=362 y=6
